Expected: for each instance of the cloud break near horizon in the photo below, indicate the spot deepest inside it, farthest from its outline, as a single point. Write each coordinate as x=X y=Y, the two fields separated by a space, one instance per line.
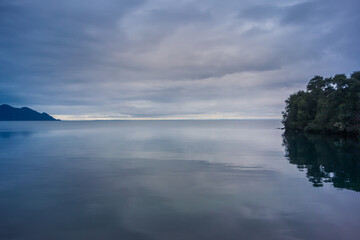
x=157 y=59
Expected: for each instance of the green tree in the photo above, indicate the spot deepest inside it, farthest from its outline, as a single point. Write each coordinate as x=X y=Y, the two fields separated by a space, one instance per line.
x=330 y=105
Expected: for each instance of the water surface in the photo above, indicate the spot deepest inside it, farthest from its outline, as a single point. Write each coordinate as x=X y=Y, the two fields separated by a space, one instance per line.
x=175 y=180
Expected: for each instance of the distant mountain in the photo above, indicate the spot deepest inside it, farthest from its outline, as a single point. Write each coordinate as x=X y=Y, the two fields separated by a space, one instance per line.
x=9 y=113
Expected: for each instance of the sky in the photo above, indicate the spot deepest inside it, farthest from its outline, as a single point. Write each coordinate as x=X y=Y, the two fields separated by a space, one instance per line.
x=163 y=59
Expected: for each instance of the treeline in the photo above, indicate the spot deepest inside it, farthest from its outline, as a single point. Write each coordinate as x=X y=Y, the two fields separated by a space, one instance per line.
x=329 y=105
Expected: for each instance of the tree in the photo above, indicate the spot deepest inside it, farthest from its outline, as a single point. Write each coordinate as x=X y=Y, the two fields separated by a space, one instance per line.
x=330 y=105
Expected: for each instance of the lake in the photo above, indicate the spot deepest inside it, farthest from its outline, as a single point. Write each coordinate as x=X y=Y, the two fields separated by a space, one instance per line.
x=231 y=179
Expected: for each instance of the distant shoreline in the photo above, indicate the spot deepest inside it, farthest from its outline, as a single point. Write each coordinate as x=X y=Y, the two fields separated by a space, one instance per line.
x=9 y=113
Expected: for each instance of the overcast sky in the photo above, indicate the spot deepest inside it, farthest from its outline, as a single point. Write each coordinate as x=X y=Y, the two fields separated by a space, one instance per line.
x=91 y=59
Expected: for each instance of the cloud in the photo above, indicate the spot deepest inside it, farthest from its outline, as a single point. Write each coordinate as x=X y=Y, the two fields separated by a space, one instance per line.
x=163 y=59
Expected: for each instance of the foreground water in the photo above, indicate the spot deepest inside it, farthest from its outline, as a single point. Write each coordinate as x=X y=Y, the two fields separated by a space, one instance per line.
x=175 y=180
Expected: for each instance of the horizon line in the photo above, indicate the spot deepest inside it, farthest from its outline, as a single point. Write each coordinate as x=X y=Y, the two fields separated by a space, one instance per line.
x=167 y=119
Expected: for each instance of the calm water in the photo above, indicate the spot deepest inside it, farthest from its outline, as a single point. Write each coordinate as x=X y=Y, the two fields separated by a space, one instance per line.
x=175 y=180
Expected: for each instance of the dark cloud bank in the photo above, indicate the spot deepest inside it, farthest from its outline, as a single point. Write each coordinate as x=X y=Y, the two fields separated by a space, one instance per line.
x=170 y=59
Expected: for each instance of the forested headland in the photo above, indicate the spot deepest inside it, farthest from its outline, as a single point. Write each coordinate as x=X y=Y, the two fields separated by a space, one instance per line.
x=9 y=113
x=328 y=106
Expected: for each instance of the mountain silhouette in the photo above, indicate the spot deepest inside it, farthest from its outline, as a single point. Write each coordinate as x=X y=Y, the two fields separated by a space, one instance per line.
x=9 y=113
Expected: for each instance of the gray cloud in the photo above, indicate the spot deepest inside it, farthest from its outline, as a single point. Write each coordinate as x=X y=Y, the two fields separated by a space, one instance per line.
x=170 y=59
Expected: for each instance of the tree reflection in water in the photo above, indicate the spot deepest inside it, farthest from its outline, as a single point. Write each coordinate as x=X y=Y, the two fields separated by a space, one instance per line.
x=325 y=159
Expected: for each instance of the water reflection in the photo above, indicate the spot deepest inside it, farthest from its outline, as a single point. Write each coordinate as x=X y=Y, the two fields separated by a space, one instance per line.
x=9 y=134
x=325 y=159
x=162 y=180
